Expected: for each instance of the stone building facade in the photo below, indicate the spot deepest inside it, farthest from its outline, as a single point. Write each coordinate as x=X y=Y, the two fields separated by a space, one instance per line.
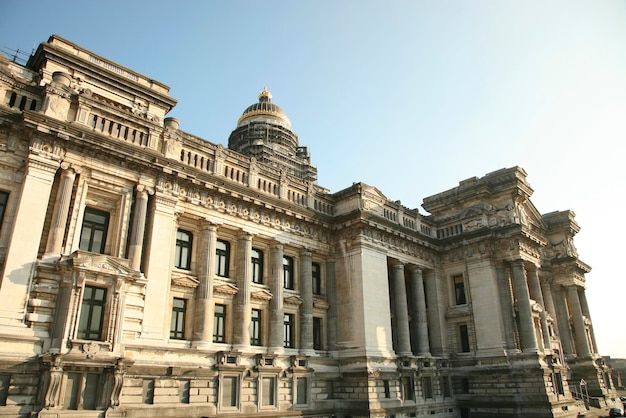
x=148 y=272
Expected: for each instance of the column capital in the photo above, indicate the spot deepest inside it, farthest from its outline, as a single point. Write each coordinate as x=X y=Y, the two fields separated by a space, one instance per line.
x=245 y=235
x=414 y=269
x=397 y=264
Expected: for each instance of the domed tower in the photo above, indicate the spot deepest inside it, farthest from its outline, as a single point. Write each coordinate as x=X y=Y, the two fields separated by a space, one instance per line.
x=264 y=132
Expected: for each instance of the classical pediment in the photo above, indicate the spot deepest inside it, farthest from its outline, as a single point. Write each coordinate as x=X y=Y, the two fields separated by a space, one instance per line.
x=293 y=300
x=225 y=289
x=101 y=264
x=184 y=280
x=262 y=295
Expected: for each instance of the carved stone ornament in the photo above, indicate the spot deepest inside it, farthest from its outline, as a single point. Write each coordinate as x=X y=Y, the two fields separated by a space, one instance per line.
x=91 y=349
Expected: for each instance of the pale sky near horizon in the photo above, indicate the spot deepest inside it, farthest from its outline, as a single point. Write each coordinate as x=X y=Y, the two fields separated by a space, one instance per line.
x=408 y=96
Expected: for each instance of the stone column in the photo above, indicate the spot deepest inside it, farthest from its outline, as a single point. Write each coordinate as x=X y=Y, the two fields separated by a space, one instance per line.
x=401 y=311
x=61 y=211
x=573 y=303
x=437 y=303
x=138 y=229
x=585 y=308
x=241 y=301
x=563 y=322
x=506 y=304
x=331 y=298
x=537 y=296
x=277 y=314
x=30 y=213
x=528 y=338
x=548 y=299
x=420 y=321
x=306 y=309
x=203 y=315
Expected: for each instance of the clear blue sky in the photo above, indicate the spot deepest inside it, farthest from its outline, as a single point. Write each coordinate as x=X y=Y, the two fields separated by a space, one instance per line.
x=408 y=96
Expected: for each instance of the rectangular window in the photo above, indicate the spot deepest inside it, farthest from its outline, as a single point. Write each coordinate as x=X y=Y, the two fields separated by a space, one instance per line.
x=147 y=391
x=229 y=391
x=222 y=258
x=464 y=337
x=387 y=389
x=219 y=320
x=268 y=391
x=407 y=388
x=317 y=278
x=183 y=391
x=91 y=313
x=427 y=387
x=93 y=234
x=288 y=272
x=317 y=333
x=90 y=392
x=255 y=327
x=289 y=328
x=459 y=290
x=446 y=390
x=177 y=325
x=182 y=258
x=302 y=388
x=72 y=385
x=558 y=384
x=4 y=198
x=257 y=266
x=5 y=380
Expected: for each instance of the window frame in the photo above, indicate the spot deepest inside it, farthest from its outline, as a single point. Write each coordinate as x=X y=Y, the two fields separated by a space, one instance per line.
x=103 y=304
x=316 y=273
x=235 y=390
x=289 y=330
x=460 y=293
x=464 y=339
x=299 y=391
x=273 y=396
x=179 y=317
x=182 y=261
x=318 y=333
x=105 y=229
x=288 y=272
x=4 y=202
x=219 y=318
x=256 y=327
x=257 y=265
x=222 y=258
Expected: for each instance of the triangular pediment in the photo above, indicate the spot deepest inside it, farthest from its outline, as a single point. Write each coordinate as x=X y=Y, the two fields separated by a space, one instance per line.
x=530 y=215
x=262 y=295
x=293 y=300
x=184 y=280
x=98 y=263
x=225 y=289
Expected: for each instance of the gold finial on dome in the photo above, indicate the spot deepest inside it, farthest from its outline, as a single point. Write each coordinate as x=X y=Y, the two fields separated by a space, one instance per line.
x=265 y=95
